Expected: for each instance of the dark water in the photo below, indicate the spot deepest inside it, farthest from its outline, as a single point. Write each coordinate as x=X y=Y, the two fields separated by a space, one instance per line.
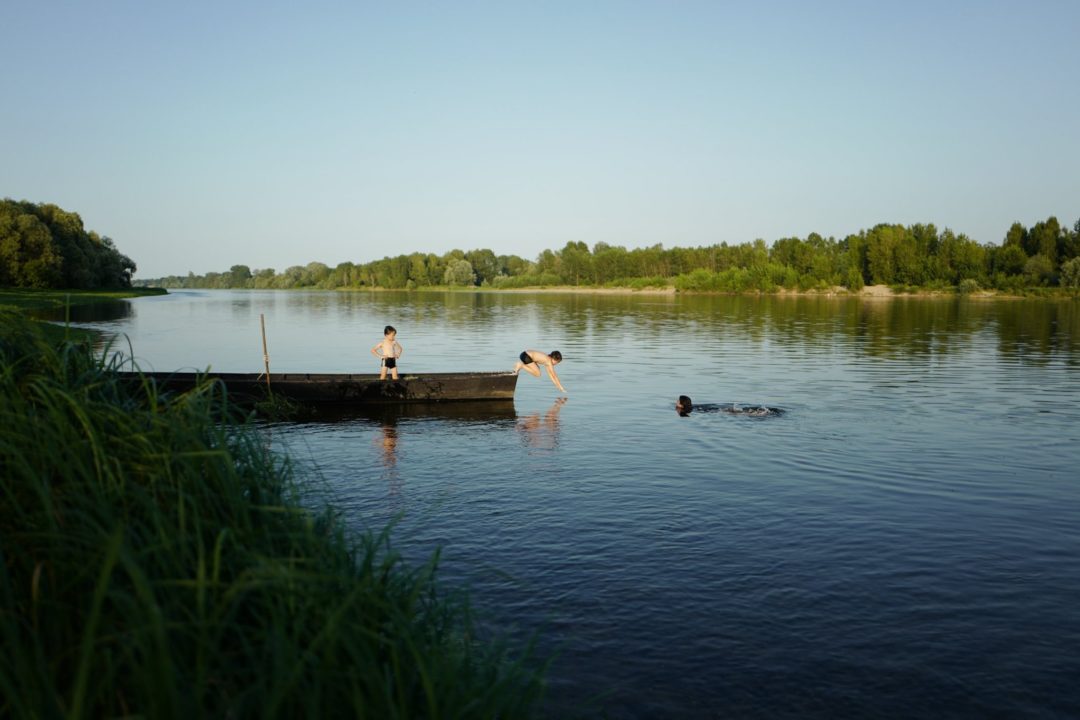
x=903 y=541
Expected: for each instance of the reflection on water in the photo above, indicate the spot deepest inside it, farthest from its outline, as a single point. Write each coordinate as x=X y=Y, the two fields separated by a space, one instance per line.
x=102 y=312
x=541 y=432
x=901 y=542
x=329 y=331
x=389 y=445
x=388 y=442
x=390 y=414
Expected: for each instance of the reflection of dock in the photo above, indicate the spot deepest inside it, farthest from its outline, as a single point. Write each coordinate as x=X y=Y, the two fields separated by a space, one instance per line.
x=390 y=414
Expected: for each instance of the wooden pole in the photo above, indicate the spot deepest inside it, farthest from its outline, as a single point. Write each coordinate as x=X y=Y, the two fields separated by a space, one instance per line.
x=266 y=355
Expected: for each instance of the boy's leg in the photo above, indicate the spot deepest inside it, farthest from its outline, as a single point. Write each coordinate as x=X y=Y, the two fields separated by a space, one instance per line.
x=531 y=368
x=382 y=371
x=393 y=372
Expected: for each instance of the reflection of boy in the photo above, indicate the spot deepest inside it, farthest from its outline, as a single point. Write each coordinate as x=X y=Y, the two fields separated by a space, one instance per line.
x=542 y=433
x=388 y=350
x=532 y=360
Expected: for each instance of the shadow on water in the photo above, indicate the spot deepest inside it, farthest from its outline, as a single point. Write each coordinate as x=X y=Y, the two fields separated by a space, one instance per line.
x=97 y=312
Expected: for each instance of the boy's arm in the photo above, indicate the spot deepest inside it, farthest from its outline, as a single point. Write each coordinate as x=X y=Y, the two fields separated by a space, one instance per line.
x=398 y=349
x=375 y=350
x=555 y=378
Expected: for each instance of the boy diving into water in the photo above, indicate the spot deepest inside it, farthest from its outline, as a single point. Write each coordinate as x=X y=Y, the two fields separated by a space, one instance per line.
x=532 y=360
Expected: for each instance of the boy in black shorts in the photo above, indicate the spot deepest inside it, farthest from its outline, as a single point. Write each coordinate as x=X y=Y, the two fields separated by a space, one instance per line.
x=388 y=350
x=531 y=360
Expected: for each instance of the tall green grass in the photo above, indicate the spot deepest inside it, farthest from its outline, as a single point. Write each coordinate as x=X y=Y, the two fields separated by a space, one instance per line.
x=156 y=562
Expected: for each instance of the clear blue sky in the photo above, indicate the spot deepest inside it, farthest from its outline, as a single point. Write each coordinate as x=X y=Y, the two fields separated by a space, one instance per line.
x=200 y=135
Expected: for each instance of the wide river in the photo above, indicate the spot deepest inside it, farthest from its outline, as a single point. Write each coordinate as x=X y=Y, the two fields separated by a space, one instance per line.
x=903 y=541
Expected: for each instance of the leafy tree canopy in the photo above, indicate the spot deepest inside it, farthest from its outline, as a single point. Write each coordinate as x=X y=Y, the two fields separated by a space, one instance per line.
x=891 y=254
x=44 y=246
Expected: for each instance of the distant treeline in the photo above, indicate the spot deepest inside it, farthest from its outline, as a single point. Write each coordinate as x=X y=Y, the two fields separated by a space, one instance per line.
x=43 y=246
x=1045 y=255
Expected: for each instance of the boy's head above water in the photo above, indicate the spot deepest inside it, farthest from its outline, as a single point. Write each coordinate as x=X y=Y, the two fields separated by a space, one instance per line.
x=389 y=330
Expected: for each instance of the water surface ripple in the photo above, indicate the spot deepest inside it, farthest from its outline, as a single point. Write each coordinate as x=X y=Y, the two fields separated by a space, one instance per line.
x=902 y=542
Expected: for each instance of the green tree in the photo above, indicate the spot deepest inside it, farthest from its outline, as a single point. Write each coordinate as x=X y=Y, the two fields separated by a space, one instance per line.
x=547 y=262
x=28 y=256
x=576 y=263
x=881 y=243
x=794 y=253
x=1017 y=237
x=1043 y=239
x=853 y=249
x=314 y=274
x=1039 y=270
x=291 y=277
x=47 y=246
x=485 y=264
x=459 y=272
x=1069 y=244
x=610 y=262
x=1070 y=273
x=240 y=276
x=908 y=261
x=515 y=265
x=1010 y=259
x=115 y=269
x=264 y=278
x=418 y=270
x=959 y=258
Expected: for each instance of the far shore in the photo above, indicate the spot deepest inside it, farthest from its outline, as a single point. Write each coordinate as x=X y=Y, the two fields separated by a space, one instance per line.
x=869 y=292
x=872 y=292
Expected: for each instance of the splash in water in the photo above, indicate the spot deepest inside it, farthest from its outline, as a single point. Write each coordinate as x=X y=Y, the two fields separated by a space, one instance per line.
x=684 y=406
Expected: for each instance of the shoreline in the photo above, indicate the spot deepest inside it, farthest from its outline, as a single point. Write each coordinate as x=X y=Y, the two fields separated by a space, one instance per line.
x=869 y=292
x=872 y=292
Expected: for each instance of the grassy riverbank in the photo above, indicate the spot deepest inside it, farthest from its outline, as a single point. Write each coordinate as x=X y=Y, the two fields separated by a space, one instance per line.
x=154 y=562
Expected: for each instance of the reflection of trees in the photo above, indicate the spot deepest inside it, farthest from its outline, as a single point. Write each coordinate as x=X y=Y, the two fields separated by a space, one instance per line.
x=481 y=323
x=885 y=327
x=899 y=326
x=1039 y=330
x=921 y=327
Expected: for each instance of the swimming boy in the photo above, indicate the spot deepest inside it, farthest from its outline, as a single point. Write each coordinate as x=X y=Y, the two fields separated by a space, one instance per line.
x=388 y=350
x=532 y=360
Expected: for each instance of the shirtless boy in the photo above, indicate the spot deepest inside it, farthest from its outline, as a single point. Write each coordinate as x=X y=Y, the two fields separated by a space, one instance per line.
x=531 y=361
x=388 y=350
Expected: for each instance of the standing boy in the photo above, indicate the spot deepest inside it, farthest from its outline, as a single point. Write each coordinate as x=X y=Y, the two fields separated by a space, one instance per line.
x=388 y=350
x=531 y=361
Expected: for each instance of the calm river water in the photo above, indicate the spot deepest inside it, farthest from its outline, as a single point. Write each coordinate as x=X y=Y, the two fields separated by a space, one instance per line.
x=904 y=541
